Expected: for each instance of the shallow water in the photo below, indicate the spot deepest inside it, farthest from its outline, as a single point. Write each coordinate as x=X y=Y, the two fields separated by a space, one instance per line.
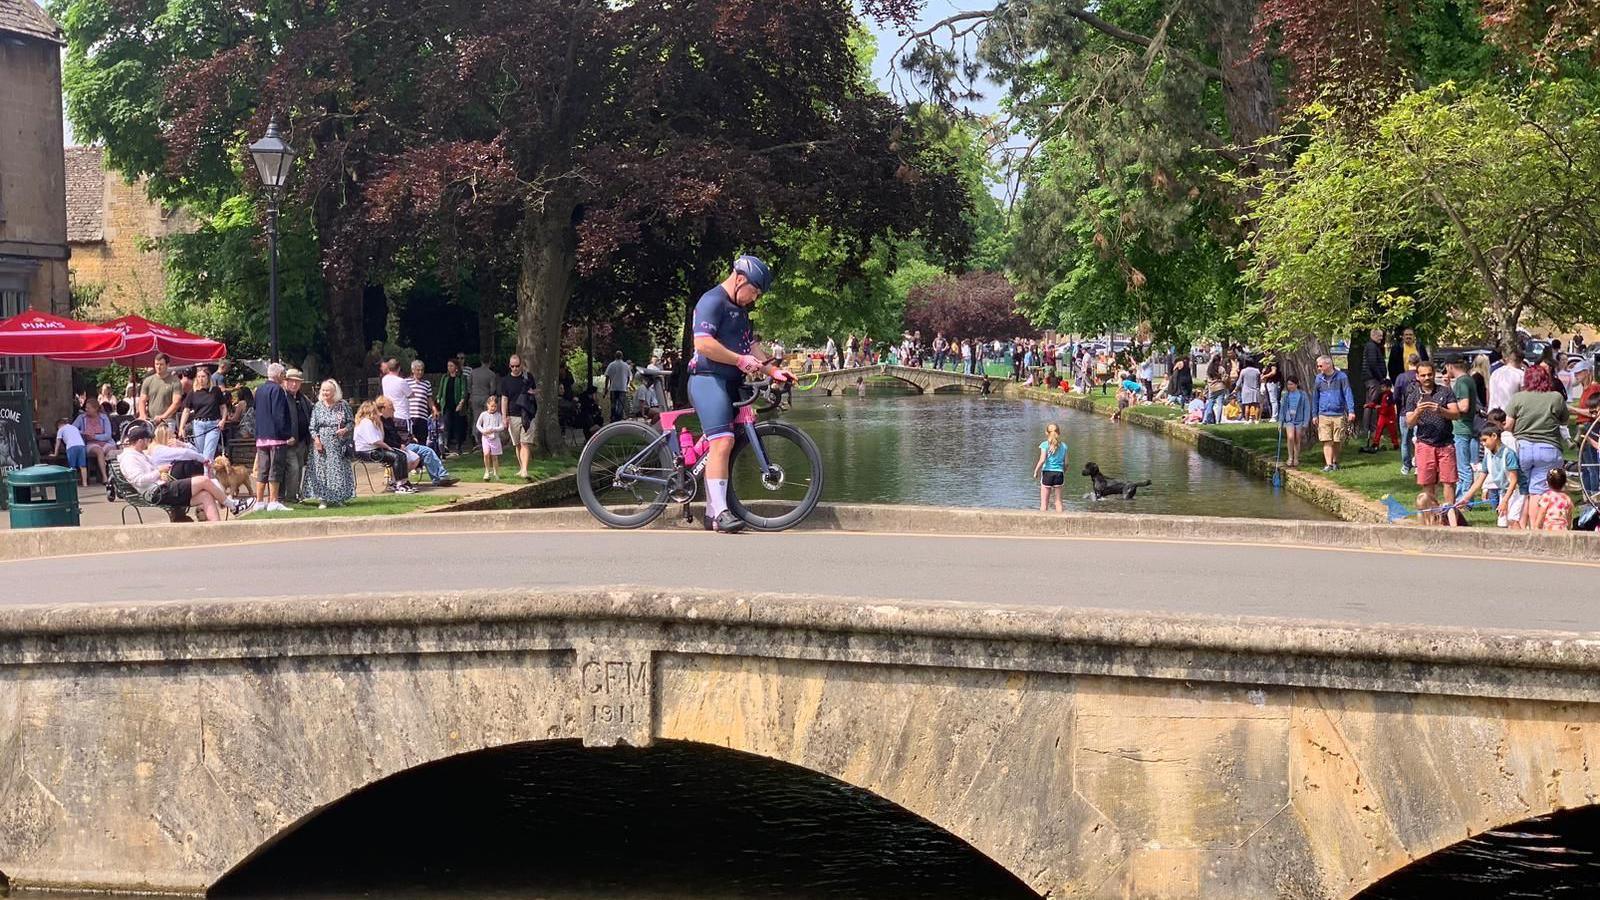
x=965 y=450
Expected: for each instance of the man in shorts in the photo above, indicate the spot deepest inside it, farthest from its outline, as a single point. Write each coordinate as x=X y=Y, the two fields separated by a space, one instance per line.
x=722 y=342
x=275 y=433
x=519 y=400
x=1336 y=410
x=1433 y=407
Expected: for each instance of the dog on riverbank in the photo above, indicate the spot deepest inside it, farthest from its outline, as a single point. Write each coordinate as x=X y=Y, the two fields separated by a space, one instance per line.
x=1102 y=487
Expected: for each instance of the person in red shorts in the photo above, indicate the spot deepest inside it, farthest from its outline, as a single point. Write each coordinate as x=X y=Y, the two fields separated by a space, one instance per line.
x=1433 y=408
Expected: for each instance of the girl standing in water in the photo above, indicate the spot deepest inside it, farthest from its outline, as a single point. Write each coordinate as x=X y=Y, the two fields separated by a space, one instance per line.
x=1051 y=469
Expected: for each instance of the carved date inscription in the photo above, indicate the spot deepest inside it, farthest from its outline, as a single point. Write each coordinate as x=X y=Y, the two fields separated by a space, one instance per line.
x=614 y=690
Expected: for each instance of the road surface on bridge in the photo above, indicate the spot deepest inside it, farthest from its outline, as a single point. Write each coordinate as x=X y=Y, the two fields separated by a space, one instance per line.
x=1112 y=573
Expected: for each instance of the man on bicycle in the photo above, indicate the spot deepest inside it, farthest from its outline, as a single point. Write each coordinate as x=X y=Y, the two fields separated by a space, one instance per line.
x=722 y=359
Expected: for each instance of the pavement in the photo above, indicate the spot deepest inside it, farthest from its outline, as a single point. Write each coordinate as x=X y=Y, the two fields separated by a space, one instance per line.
x=96 y=510
x=1132 y=574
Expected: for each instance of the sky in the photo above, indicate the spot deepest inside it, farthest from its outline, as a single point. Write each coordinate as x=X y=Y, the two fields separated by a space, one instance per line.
x=889 y=40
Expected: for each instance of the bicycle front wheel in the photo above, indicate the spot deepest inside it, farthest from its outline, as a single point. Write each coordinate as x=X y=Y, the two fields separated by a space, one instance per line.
x=787 y=490
x=622 y=474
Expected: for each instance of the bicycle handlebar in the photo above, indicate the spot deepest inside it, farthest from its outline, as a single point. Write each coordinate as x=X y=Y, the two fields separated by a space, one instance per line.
x=767 y=386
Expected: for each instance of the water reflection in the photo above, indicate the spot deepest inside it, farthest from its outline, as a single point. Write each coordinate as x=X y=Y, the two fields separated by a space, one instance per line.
x=560 y=821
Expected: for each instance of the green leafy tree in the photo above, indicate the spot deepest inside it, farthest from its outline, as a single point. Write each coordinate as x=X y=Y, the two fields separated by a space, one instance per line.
x=822 y=292
x=1499 y=192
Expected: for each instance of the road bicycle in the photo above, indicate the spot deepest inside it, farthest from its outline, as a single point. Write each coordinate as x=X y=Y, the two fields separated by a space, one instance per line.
x=1589 y=472
x=630 y=470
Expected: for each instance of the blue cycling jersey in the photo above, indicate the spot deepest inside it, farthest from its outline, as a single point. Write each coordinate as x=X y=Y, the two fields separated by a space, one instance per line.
x=717 y=316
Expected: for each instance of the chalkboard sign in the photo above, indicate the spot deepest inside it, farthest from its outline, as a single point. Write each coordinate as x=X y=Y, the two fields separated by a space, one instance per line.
x=17 y=446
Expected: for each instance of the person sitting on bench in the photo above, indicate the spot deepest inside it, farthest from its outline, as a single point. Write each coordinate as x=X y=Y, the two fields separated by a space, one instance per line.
x=156 y=484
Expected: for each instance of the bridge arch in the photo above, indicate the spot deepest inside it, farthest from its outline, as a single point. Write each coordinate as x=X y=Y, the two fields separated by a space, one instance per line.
x=653 y=809
x=1534 y=856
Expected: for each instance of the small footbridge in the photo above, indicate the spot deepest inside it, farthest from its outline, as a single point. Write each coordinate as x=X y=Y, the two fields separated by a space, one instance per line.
x=924 y=380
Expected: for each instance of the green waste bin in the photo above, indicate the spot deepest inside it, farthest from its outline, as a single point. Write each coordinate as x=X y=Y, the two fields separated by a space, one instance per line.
x=43 y=497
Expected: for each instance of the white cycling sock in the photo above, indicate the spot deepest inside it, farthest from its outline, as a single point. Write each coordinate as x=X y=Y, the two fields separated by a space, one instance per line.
x=716 y=496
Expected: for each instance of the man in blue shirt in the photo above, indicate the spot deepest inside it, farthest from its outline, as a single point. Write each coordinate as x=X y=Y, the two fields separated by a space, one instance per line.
x=722 y=339
x=1336 y=410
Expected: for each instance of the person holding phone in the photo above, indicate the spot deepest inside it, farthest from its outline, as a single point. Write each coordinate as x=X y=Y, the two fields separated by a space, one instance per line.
x=1433 y=408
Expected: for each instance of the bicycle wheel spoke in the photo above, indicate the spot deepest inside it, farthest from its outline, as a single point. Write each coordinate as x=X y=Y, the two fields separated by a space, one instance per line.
x=611 y=469
x=785 y=490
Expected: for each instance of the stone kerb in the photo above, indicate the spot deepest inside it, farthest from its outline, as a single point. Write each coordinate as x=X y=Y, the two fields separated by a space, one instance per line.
x=1333 y=536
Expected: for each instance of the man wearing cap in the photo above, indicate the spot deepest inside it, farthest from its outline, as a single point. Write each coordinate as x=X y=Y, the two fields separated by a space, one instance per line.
x=156 y=485
x=294 y=456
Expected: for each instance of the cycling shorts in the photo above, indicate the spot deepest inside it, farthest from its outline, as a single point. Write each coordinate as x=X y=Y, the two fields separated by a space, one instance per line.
x=713 y=397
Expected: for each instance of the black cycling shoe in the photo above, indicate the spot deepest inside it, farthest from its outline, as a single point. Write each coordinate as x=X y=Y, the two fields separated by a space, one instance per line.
x=727 y=523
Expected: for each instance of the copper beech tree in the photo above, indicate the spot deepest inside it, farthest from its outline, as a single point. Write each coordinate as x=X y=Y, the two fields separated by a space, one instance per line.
x=643 y=144
x=978 y=305
x=619 y=152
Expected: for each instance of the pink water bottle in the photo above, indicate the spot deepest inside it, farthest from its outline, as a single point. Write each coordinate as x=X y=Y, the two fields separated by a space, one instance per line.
x=686 y=445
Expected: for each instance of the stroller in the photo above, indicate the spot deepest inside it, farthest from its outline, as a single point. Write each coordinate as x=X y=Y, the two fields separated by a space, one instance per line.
x=437 y=440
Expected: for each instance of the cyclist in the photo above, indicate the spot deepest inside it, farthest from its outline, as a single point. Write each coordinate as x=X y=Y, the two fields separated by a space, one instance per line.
x=722 y=359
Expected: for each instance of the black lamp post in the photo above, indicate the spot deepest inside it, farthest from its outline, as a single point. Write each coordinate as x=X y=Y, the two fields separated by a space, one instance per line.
x=273 y=157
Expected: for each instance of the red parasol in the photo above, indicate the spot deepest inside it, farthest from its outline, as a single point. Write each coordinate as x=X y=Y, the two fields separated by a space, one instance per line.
x=42 y=334
x=145 y=339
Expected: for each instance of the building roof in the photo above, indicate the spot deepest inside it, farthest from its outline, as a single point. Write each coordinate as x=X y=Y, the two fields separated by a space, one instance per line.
x=24 y=17
x=86 y=193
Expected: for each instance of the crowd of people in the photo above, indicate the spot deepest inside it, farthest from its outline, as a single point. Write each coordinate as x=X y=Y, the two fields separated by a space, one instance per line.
x=1475 y=429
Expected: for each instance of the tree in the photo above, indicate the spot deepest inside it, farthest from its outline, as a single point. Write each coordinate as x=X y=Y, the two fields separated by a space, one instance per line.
x=642 y=144
x=1546 y=30
x=977 y=305
x=175 y=90
x=1500 y=193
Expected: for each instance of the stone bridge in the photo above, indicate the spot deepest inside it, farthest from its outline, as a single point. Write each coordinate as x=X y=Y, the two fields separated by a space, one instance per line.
x=158 y=746
x=840 y=381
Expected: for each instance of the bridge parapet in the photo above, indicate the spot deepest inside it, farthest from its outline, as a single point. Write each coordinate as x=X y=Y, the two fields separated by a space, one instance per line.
x=923 y=379
x=156 y=747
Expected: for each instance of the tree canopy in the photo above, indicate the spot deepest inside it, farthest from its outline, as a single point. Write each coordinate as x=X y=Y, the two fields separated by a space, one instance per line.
x=1501 y=195
x=973 y=305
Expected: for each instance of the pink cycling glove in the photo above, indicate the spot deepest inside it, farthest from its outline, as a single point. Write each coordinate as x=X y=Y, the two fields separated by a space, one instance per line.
x=749 y=364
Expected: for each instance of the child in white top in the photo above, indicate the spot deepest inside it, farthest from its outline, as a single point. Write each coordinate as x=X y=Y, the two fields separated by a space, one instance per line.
x=70 y=440
x=490 y=423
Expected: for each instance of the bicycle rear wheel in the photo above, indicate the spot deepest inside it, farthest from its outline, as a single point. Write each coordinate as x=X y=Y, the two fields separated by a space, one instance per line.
x=1589 y=463
x=609 y=470
x=788 y=491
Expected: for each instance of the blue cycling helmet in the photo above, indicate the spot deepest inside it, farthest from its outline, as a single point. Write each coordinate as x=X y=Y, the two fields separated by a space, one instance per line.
x=755 y=271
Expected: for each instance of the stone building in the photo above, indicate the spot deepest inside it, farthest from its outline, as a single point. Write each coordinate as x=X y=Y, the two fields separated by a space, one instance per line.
x=113 y=228
x=33 y=208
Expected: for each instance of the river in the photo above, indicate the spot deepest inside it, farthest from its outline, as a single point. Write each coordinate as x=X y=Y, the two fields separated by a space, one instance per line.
x=965 y=450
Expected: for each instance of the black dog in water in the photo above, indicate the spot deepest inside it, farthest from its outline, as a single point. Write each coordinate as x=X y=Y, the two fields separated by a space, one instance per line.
x=1104 y=487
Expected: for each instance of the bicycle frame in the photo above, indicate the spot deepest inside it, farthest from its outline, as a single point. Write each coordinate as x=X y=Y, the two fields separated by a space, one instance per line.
x=745 y=417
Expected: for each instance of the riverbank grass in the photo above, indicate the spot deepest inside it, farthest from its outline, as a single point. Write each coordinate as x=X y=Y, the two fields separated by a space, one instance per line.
x=1373 y=475
x=467 y=467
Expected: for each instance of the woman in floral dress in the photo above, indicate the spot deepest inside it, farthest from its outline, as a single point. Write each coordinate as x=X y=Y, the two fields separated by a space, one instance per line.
x=332 y=478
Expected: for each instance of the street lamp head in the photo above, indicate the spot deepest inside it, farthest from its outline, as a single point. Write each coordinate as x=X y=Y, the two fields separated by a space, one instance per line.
x=273 y=157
